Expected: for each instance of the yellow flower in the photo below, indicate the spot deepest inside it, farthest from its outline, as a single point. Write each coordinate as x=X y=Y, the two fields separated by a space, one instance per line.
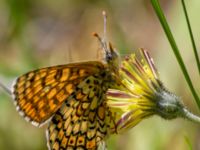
x=141 y=95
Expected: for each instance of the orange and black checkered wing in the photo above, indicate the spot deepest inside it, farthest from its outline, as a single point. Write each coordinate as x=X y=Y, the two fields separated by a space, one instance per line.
x=40 y=93
x=83 y=121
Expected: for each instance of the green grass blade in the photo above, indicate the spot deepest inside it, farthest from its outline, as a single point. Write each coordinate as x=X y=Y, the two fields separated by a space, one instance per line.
x=175 y=49
x=191 y=36
x=188 y=142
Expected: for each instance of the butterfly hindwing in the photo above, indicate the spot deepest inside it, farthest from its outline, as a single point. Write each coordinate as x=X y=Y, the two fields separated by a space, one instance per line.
x=40 y=93
x=83 y=120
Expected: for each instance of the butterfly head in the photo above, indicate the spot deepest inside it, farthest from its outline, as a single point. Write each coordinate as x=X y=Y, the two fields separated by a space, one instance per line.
x=110 y=55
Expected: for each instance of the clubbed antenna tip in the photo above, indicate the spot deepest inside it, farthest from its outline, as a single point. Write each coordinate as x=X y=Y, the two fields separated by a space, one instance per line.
x=104 y=13
x=105 y=24
x=97 y=36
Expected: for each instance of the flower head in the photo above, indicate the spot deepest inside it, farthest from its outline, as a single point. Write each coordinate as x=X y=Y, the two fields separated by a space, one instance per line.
x=142 y=94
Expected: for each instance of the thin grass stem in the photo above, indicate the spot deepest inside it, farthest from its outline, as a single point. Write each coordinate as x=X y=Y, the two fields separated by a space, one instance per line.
x=175 y=49
x=6 y=89
x=191 y=35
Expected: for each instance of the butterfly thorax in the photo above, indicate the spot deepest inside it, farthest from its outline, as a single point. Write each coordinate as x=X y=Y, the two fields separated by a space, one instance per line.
x=113 y=60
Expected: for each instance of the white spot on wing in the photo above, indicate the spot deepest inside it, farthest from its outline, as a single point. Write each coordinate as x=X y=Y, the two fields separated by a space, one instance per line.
x=27 y=119
x=13 y=90
x=17 y=108
x=35 y=123
x=21 y=113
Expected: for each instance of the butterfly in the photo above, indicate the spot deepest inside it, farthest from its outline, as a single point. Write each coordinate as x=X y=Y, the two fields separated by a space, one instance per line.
x=71 y=98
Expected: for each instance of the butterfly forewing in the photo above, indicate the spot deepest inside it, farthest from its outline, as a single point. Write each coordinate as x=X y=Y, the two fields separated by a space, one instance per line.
x=83 y=120
x=40 y=93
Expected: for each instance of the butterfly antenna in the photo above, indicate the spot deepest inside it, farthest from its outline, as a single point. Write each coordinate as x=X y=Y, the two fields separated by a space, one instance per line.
x=5 y=88
x=103 y=44
x=103 y=41
x=105 y=26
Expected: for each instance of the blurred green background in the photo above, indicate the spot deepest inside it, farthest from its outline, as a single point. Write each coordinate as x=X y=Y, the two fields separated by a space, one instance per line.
x=36 y=34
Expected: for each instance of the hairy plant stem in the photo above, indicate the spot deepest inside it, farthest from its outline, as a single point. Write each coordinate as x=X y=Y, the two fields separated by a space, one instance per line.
x=190 y=116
